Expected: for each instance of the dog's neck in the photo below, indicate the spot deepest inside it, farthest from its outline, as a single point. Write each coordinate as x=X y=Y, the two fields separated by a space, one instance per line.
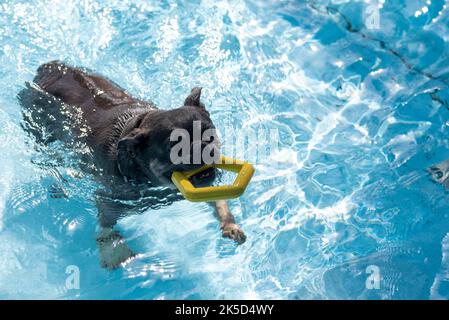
x=121 y=126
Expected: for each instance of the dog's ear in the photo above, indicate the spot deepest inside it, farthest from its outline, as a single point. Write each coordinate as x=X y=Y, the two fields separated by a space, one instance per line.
x=193 y=100
x=133 y=142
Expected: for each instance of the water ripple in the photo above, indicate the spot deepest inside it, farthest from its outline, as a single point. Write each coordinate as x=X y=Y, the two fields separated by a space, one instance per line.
x=361 y=113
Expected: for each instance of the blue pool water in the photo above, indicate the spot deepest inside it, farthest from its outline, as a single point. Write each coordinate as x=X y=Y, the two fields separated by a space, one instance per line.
x=360 y=103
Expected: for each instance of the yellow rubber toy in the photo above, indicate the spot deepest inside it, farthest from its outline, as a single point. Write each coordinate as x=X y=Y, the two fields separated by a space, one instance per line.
x=244 y=172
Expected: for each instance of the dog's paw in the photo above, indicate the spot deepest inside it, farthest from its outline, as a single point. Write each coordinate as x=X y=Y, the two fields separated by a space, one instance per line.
x=113 y=249
x=233 y=231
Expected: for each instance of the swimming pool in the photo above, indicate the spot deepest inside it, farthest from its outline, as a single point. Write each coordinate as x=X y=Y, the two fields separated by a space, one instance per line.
x=357 y=91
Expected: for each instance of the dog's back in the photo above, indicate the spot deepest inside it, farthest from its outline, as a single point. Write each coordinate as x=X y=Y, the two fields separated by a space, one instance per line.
x=78 y=87
x=92 y=93
x=63 y=100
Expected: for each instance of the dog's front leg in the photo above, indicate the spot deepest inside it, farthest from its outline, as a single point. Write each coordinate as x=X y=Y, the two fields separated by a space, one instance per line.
x=227 y=222
x=111 y=245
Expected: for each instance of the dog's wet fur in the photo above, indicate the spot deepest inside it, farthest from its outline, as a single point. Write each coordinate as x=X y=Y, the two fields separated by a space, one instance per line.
x=129 y=141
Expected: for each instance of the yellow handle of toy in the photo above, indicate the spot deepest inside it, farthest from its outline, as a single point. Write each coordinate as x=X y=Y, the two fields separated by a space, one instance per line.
x=244 y=172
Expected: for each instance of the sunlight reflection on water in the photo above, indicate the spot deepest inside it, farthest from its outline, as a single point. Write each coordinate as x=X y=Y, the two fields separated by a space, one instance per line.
x=361 y=114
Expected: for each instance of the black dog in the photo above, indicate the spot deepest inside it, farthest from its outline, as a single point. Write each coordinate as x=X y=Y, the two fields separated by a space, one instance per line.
x=128 y=142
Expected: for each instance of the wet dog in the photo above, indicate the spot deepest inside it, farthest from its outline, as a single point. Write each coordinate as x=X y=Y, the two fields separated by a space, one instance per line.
x=128 y=142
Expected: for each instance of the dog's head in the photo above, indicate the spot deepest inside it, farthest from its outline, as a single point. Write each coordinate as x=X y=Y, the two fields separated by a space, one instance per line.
x=157 y=142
